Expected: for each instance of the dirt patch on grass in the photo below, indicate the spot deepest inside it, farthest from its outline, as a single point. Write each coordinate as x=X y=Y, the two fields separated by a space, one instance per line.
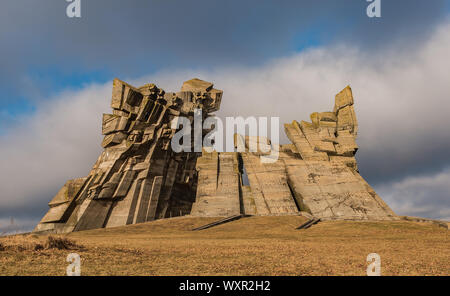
x=61 y=243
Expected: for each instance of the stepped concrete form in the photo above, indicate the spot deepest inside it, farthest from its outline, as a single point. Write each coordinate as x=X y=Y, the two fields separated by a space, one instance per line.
x=139 y=178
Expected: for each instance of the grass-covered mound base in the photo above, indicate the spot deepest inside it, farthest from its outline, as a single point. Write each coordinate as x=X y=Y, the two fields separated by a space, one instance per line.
x=249 y=246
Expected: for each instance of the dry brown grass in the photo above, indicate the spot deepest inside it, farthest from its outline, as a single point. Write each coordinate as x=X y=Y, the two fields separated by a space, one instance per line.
x=37 y=243
x=250 y=246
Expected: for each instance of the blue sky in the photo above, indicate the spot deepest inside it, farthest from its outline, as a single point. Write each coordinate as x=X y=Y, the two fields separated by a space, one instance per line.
x=44 y=52
x=47 y=58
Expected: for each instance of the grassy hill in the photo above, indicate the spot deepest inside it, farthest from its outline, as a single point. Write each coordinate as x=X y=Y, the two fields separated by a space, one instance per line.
x=250 y=246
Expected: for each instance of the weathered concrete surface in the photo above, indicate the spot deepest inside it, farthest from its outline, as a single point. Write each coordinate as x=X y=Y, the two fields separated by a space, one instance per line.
x=138 y=177
x=322 y=171
x=218 y=185
x=316 y=174
x=268 y=187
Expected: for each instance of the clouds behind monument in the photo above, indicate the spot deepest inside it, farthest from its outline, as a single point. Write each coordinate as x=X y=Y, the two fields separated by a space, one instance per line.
x=401 y=103
x=42 y=49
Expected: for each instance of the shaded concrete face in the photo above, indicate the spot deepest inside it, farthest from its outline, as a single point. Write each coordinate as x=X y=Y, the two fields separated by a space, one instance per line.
x=138 y=178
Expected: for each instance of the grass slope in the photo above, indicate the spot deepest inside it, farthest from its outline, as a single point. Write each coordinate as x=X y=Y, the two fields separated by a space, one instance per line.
x=250 y=246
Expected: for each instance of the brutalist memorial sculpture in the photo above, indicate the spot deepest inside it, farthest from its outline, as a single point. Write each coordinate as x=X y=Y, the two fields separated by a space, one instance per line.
x=139 y=178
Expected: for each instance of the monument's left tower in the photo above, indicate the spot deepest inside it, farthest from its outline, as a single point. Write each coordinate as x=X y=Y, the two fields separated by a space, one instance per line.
x=121 y=189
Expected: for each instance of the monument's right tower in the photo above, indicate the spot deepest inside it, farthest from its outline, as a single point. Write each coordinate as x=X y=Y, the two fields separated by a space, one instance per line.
x=317 y=173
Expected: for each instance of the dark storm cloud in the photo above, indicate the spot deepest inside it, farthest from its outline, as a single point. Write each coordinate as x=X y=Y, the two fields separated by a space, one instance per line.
x=134 y=37
x=423 y=196
x=412 y=154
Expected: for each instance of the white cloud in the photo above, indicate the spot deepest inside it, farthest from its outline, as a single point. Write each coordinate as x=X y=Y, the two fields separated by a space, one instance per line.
x=402 y=103
x=423 y=196
x=60 y=141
